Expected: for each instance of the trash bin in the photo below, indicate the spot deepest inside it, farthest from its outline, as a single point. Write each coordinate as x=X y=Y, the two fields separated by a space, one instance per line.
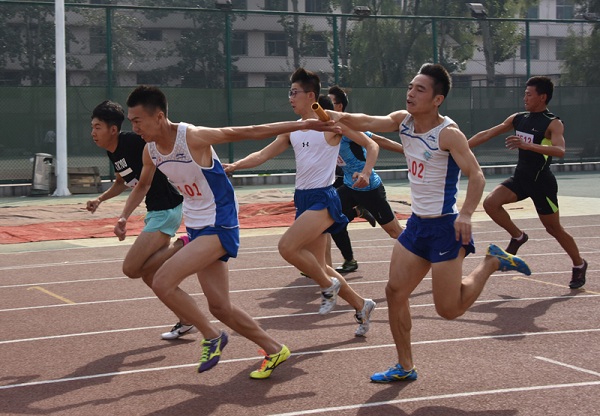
x=42 y=170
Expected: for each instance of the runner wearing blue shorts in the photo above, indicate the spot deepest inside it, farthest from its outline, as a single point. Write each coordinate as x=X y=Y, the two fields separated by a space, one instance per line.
x=438 y=235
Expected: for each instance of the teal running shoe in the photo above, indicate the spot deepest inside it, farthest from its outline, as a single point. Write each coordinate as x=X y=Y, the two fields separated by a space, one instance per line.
x=395 y=373
x=508 y=261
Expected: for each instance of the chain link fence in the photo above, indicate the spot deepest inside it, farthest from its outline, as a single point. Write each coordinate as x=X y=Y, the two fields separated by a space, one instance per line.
x=232 y=67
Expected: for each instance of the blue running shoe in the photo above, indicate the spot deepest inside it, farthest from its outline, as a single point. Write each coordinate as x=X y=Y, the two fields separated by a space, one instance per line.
x=508 y=261
x=395 y=373
x=211 y=352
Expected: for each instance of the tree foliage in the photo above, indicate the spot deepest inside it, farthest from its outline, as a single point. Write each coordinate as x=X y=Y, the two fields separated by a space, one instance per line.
x=582 y=58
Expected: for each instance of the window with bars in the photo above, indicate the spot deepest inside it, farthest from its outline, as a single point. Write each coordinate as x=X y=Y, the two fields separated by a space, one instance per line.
x=275 y=44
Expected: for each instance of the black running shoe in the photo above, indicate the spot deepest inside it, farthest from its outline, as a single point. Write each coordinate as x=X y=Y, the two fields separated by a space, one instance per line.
x=364 y=213
x=578 y=278
x=515 y=244
x=347 y=267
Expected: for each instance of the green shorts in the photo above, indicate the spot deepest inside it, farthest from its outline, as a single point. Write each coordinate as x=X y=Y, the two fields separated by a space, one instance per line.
x=167 y=221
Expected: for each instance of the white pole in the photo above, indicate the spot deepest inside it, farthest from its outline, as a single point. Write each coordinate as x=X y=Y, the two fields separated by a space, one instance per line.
x=62 y=188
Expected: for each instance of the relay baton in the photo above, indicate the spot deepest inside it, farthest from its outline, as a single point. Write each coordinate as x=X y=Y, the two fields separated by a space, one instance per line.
x=320 y=112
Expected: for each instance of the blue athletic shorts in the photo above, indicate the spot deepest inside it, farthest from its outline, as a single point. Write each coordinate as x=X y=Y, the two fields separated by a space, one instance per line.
x=433 y=238
x=318 y=199
x=229 y=238
x=167 y=221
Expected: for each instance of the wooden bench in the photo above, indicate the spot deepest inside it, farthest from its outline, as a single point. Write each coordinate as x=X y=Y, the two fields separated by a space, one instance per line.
x=85 y=180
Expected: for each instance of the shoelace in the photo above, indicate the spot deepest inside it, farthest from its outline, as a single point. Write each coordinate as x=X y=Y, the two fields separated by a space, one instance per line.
x=266 y=360
x=205 y=350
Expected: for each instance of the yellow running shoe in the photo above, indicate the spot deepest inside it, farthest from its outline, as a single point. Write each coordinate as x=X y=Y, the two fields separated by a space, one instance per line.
x=270 y=362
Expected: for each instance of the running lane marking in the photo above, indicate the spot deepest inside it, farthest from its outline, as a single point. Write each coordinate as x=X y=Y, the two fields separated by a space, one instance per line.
x=572 y=367
x=54 y=295
x=552 y=284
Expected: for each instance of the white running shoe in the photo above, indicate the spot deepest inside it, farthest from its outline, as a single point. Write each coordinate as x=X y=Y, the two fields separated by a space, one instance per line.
x=177 y=331
x=363 y=317
x=329 y=296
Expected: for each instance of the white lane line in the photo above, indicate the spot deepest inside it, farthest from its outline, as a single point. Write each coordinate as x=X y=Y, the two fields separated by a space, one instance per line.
x=98 y=302
x=439 y=397
x=328 y=351
x=572 y=367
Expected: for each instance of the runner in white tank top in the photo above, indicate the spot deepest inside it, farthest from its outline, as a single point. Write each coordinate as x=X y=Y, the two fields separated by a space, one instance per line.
x=185 y=154
x=437 y=237
x=209 y=199
x=433 y=173
x=318 y=207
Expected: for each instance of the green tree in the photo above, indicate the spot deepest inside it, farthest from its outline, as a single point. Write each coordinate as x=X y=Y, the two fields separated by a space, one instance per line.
x=386 y=52
x=582 y=54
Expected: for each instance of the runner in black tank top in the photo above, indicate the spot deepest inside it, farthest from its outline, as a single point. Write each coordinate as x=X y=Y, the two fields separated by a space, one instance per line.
x=539 y=135
x=163 y=201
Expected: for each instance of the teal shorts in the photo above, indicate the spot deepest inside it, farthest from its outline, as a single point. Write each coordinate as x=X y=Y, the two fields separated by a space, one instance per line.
x=167 y=221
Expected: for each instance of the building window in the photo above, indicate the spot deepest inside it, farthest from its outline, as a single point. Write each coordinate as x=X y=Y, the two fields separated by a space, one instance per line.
x=154 y=35
x=97 y=40
x=275 y=44
x=561 y=49
x=565 y=9
x=239 y=81
x=534 y=49
x=316 y=45
x=239 y=4
x=239 y=44
x=277 y=80
x=317 y=6
x=280 y=5
x=533 y=12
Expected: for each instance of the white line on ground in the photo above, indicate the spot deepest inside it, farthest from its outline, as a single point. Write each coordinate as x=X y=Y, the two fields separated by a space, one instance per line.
x=328 y=351
x=583 y=370
x=439 y=397
x=339 y=311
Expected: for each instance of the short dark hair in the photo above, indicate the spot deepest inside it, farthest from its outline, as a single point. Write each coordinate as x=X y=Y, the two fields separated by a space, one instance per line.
x=109 y=112
x=340 y=96
x=442 y=81
x=325 y=102
x=543 y=85
x=151 y=98
x=309 y=80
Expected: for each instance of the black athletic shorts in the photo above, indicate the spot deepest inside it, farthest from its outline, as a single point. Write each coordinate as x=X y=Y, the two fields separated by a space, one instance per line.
x=374 y=201
x=543 y=190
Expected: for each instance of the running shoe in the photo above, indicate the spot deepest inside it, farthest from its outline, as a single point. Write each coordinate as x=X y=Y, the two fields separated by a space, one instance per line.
x=508 y=261
x=578 y=277
x=177 y=331
x=395 y=373
x=347 y=267
x=329 y=296
x=270 y=363
x=211 y=352
x=364 y=213
x=363 y=317
x=515 y=244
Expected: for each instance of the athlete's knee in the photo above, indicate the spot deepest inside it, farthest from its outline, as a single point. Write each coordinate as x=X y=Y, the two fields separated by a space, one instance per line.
x=161 y=286
x=448 y=312
x=131 y=270
x=286 y=249
x=489 y=204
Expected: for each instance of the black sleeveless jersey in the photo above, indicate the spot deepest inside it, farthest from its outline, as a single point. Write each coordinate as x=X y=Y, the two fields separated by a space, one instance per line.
x=127 y=160
x=531 y=128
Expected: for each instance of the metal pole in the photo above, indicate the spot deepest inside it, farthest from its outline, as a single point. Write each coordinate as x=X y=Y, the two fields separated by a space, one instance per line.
x=335 y=57
x=527 y=49
x=228 y=65
x=61 y=102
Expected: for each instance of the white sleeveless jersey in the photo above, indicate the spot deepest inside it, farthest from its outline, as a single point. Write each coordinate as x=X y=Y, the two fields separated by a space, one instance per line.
x=433 y=173
x=315 y=159
x=209 y=199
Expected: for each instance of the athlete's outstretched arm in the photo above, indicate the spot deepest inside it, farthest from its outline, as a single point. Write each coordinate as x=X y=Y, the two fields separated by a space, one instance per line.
x=275 y=148
x=485 y=135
